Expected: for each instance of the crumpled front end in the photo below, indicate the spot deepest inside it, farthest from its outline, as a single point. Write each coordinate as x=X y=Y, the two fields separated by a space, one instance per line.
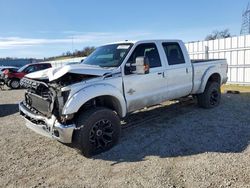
x=47 y=93
x=41 y=111
x=48 y=127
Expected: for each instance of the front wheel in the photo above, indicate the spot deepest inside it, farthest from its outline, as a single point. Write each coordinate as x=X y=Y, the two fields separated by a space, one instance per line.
x=211 y=96
x=14 y=84
x=98 y=131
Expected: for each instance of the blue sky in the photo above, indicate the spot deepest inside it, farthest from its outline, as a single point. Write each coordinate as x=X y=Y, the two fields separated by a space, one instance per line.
x=43 y=28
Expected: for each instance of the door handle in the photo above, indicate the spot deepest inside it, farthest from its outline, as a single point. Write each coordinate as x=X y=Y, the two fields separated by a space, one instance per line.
x=161 y=73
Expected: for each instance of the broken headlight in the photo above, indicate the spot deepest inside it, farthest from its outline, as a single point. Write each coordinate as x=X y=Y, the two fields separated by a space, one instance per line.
x=66 y=118
x=65 y=95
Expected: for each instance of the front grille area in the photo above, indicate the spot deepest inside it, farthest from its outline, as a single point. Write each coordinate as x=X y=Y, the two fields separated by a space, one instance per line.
x=31 y=84
x=39 y=103
x=33 y=110
x=38 y=96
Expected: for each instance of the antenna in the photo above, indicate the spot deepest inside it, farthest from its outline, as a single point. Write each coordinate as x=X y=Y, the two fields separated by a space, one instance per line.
x=245 y=27
x=72 y=44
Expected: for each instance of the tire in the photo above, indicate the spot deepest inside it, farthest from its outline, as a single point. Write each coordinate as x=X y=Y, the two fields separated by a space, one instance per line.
x=14 y=84
x=211 y=97
x=8 y=83
x=98 y=131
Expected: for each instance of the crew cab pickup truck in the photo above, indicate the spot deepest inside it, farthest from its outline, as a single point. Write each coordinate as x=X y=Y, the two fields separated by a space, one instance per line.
x=12 y=77
x=83 y=104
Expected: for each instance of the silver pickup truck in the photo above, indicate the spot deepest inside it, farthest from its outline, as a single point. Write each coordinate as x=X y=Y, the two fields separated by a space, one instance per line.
x=83 y=104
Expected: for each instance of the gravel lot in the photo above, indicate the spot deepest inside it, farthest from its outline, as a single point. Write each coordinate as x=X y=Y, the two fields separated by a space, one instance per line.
x=178 y=145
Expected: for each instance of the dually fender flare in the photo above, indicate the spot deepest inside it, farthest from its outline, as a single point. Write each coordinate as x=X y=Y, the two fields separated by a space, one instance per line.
x=210 y=71
x=90 y=92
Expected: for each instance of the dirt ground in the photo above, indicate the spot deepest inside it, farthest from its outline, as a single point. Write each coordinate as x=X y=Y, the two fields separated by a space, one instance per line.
x=177 y=145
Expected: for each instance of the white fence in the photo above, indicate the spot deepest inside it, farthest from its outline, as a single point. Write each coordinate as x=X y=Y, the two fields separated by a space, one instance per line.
x=235 y=49
x=59 y=63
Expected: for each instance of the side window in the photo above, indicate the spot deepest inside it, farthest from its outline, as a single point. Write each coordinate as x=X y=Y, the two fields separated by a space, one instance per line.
x=30 y=69
x=43 y=66
x=149 y=51
x=174 y=53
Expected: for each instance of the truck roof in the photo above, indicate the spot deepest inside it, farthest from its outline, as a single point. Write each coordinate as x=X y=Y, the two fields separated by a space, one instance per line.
x=145 y=41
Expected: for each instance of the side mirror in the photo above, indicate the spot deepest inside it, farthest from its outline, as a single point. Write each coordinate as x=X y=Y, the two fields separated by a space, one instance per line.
x=141 y=65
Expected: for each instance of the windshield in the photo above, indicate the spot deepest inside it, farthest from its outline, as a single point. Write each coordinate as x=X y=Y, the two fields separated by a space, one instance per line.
x=108 y=56
x=22 y=68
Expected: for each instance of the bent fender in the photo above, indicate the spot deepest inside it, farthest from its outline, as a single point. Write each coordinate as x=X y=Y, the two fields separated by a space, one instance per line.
x=93 y=91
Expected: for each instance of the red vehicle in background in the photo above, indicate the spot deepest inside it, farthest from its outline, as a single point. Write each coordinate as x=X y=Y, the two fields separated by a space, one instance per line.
x=12 y=78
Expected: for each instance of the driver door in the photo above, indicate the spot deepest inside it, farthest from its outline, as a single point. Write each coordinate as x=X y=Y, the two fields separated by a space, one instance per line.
x=143 y=90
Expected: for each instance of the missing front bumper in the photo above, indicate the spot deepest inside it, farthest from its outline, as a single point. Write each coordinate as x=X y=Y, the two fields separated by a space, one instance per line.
x=48 y=127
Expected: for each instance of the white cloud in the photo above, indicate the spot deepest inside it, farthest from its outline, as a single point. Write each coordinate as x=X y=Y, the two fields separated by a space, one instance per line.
x=84 y=38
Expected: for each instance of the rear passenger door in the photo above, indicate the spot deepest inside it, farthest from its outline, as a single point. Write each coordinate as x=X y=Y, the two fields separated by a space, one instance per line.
x=147 y=89
x=178 y=73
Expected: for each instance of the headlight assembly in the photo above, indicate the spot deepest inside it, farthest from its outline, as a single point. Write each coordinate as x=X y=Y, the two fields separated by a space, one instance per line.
x=65 y=95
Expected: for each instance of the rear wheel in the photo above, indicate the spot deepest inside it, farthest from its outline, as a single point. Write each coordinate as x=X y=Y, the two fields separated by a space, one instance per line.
x=8 y=83
x=98 y=131
x=14 y=84
x=211 y=96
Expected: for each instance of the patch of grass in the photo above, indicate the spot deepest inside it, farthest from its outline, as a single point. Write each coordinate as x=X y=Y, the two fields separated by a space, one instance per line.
x=235 y=87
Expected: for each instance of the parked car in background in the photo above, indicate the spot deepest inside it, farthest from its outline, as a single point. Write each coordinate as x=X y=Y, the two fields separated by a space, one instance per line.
x=3 y=68
x=12 y=77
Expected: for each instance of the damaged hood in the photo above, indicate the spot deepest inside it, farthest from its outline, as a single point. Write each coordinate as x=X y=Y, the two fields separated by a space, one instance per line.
x=54 y=73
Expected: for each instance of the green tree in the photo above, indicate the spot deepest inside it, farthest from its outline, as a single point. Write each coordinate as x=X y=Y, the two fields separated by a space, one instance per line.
x=87 y=51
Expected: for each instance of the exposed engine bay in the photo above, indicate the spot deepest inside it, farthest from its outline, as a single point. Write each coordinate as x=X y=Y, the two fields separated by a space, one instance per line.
x=46 y=98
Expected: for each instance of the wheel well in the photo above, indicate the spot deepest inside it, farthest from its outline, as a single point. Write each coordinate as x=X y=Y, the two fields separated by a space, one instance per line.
x=215 y=78
x=11 y=79
x=103 y=101
x=14 y=79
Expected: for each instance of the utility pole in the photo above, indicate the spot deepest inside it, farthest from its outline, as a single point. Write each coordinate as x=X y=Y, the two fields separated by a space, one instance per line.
x=245 y=27
x=72 y=44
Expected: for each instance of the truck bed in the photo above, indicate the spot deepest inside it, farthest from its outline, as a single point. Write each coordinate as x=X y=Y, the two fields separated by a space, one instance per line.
x=201 y=66
x=204 y=60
